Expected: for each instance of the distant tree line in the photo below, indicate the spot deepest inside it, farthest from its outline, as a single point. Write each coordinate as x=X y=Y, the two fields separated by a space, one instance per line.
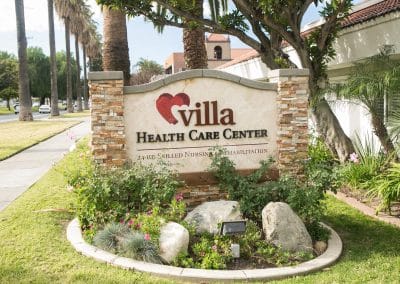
x=39 y=75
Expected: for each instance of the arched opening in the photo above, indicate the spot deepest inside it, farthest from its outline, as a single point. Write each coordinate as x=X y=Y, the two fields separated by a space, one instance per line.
x=217 y=52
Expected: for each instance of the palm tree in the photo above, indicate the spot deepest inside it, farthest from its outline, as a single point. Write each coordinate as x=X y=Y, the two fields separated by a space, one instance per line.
x=372 y=84
x=194 y=49
x=88 y=35
x=78 y=25
x=25 y=112
x=64 y=10
x=53 y=62
x=115 y=50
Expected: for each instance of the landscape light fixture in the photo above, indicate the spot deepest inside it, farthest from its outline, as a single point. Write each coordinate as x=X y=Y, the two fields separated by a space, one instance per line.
x=233 y=227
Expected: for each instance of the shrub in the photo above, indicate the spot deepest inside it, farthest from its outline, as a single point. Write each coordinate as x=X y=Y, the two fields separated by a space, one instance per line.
x=304 y=198
x=386 y=186
x=320 y=166
x=117 y=238
x=106 y=195
x=364 y=165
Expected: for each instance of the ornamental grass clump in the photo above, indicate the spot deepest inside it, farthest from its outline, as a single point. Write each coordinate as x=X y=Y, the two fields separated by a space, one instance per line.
x=118 y=238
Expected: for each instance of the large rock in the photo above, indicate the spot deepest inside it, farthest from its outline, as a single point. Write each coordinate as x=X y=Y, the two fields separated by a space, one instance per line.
x=174 y=239
x=283 y=228
x=206 y=216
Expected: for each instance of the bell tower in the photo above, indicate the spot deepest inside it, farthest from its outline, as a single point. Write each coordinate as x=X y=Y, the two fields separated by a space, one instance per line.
x=218 y=50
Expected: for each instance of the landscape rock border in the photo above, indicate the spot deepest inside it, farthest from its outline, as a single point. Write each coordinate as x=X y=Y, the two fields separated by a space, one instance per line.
x=330 y=256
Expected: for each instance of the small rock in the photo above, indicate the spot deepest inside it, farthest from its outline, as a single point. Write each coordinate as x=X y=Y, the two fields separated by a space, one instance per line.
x=208 y=215
x=283 y=228
x=174 y=239
x=320 y=247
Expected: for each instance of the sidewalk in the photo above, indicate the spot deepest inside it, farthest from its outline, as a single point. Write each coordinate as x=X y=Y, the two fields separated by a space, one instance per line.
x=21 y=171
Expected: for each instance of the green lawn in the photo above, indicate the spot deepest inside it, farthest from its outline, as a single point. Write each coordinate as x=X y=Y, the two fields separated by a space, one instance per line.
x=4 y=110
x=85 y=113
x=34 y=247
x=18 y=135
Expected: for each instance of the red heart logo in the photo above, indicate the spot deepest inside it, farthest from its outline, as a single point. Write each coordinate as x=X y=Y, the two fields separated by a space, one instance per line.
x=166 y=101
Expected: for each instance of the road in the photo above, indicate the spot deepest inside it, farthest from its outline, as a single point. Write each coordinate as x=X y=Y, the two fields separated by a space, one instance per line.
x=13 y=117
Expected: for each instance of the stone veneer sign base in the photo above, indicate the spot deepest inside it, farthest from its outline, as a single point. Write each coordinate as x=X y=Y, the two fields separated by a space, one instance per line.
x=329 y=257
x=180 y=118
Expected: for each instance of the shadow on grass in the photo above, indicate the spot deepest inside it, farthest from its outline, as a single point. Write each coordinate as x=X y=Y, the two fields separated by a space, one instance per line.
x=362 y=236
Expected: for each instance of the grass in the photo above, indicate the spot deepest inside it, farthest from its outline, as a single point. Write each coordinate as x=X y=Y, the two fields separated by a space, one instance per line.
x=4 y=110
x=18 y=135
x=34 y=247
x=85 y=113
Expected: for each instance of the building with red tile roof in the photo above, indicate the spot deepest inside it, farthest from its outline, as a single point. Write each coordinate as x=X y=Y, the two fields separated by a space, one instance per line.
x=219 y=52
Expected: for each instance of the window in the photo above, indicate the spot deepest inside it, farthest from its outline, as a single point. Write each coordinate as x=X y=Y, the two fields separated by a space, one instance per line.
x=217 y=52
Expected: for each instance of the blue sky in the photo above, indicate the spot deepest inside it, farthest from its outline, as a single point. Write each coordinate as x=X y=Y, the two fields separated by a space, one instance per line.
x=144 y=41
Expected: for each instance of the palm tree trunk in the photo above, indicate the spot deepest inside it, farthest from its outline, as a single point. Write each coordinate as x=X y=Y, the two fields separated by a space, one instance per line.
x=78 y=75
x=115 y=49
x=381 y=132
x=25 y=101
x=70 y=107
x=194 y=48
x=53 y=62
x=85 y=88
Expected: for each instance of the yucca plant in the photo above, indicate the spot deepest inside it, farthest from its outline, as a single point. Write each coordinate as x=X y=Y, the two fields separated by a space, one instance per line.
x=386 y=186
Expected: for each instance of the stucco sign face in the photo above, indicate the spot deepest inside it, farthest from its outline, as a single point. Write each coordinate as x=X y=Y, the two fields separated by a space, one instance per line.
x=182 y=121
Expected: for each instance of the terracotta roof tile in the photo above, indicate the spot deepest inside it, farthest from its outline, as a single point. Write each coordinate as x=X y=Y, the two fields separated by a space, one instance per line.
x=238 y=52
x=371 y=12
x=250 y=54
x=217 y=38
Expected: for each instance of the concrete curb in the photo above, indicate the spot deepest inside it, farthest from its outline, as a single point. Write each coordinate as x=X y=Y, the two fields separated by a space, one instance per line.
x=365 y=209
x=330 y=256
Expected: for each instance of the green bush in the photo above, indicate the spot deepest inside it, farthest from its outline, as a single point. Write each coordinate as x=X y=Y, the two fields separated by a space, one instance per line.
x=305 y=198
x=364 y=165
x=106 y=195
x=386 y=186
x=320 y=166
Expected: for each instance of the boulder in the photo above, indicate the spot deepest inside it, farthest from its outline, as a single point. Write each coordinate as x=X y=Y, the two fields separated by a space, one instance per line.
x=174 y=239
x=283 y=228
x=208 y=215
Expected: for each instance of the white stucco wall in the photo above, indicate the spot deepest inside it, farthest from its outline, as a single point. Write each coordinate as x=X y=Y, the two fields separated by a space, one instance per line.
x=353 y=44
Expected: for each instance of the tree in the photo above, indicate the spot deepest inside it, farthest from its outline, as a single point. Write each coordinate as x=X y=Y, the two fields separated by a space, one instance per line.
x=8 y=77
x=53 y=62
x=25 y=112
x=146 y=70
x=194 y=49
x=64 y=10
x=271 y=22
x=39 y=73
x=115 y=50
x=61 y=58
x=372 y=83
